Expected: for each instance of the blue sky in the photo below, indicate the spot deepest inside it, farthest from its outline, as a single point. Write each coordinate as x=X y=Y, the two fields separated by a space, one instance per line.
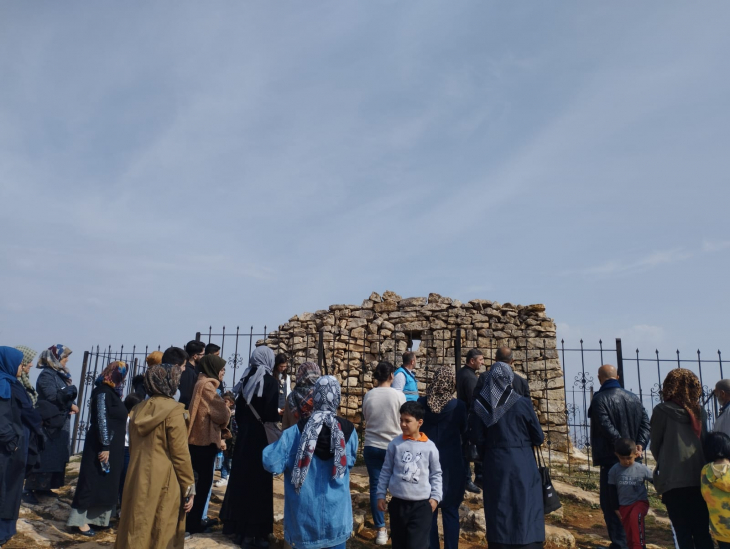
x=168 y=166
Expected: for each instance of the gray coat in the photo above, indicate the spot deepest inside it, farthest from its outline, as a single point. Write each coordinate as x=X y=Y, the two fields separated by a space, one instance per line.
x=56 y=453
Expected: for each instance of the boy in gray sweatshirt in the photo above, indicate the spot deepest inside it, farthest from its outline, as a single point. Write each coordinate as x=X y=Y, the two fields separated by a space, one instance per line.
x=412 y=473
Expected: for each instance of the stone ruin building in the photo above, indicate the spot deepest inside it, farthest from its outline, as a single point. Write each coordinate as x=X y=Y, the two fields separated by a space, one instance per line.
x=355 y=337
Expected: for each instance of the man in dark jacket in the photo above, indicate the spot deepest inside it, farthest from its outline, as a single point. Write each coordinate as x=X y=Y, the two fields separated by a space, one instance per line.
x=614 y=413
x=189 y=377
x=466 y=380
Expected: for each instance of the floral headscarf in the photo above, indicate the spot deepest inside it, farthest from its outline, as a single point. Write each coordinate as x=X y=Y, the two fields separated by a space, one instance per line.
x=682 y=387
x=441 y=389
x=113 y=375
x=497 y=395
x=28 y=356
x=162 y=379
x=326 y=395
x=52 y=357
x=300 y=399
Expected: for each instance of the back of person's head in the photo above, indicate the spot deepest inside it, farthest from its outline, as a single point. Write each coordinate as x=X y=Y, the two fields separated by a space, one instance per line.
x=408 y=357
x=280 y=359
x=193 y=348
x=717 y=446
x=473 y=353
x=228 y=395
x=504 y=354
x=414 y=409
x=131 y=401
x=212 y=348
x=175 y=356
x=155 y=357
x=138 y=380
x=624 y=447
x=383 y=371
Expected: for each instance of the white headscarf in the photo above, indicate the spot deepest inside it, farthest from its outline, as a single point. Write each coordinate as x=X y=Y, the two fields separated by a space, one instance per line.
x=260 y=364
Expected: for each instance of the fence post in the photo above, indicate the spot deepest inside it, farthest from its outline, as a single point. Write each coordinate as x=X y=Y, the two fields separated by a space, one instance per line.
x=620 y=361
x=84 y=365
x=457 y=351
x=197 y=336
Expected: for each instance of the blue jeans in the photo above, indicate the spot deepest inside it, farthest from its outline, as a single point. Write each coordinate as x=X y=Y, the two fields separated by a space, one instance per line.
x=226 y=467
x=374 y=459
x=207 y=501
x=450 y=519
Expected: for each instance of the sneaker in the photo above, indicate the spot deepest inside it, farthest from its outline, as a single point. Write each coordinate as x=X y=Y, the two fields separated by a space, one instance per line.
x=473 y=488
x=221 y=482
x=382 y=537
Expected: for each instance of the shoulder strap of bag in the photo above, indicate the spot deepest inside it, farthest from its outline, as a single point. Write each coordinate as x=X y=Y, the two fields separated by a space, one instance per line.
x=255 y=413
x=538 y=456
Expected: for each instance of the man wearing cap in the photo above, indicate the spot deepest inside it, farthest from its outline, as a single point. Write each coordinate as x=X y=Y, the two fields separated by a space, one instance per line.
x=722 y=394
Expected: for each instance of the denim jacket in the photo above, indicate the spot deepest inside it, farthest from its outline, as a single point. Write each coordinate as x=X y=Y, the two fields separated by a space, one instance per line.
x=321 y=514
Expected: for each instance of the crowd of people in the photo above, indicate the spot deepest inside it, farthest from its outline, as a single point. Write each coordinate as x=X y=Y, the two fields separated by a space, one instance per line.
x=150 y=458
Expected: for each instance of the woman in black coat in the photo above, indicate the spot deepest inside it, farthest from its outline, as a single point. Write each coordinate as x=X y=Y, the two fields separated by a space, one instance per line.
x=103 y=459
x=18 y=420
x=248 y=506
x=506 y=428
x=51 y=386
x=445 y=424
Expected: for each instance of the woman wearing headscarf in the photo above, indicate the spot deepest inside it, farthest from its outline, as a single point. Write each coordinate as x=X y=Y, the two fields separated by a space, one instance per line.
x=18 y=420
x=678 y=429
x=316 y=456
x=445 y=424
x=55 y=387
x=162 y=485
x=299 y=402
x=28 y=356
x=248 y=507
x=209 y=417
x=505 y=428
x=103 y=458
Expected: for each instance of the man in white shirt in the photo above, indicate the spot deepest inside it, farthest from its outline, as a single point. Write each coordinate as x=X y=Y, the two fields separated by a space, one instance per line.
x=722 y=394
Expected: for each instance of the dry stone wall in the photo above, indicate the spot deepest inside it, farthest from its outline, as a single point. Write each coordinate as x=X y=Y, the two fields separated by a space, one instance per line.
x=356 y=337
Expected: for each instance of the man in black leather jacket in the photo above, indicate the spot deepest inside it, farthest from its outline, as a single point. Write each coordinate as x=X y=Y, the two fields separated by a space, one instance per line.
x=615 y=413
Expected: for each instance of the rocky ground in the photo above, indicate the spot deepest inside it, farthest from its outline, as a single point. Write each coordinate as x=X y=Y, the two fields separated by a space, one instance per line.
x=578 y=524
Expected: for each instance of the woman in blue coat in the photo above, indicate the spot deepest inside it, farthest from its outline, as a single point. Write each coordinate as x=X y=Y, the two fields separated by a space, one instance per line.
x=445 y=424
x=506 y=428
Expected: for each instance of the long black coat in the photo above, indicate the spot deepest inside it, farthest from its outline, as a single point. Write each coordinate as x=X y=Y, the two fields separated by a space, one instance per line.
x=248 y=507
x=446 y=430
x=512 y=487
x=96 y=489
x=56 y=452
x=18 y=421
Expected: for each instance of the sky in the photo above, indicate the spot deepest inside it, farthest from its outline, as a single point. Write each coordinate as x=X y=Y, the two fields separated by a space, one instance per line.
x=169 y=166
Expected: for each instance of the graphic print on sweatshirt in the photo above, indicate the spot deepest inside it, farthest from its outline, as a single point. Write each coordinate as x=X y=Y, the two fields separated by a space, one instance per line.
x=411 y=472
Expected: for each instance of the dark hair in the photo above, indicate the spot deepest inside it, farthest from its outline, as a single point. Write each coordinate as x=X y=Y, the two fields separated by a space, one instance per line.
x=230 y=395
x=413 y=408
x=717 y=446
x=131 y=401
x=408 y=357
x=473 y=353
x=382 y=371
x=280 y=359
x=138 y=380
x=212 y=348
x=175 y=356
x=624 y=447
x=504 y=354
x=192 y=348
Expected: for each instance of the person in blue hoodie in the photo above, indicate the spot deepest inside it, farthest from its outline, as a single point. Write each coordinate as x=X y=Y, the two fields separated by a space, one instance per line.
x=316 y=456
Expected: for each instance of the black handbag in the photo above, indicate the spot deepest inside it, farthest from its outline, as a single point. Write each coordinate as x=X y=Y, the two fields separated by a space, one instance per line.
x=550 y=499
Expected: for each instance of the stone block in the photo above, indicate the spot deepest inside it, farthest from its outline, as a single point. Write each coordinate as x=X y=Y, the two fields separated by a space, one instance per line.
x=386 y=306
x=412 y=302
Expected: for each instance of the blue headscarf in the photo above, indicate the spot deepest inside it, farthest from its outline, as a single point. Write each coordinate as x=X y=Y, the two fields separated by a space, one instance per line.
x=10 y=361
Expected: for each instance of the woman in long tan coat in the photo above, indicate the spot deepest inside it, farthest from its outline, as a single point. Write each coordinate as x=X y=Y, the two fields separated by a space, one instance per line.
x=160 y=486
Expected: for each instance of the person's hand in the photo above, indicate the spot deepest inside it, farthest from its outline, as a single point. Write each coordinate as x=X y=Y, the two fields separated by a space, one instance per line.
x=74 y=409
x=434 y=504
x=189 y=505
x=223 y=445
x=104 y=456
x=618 y=514
x=281 y=410
x=382 y=506
x=639 y=451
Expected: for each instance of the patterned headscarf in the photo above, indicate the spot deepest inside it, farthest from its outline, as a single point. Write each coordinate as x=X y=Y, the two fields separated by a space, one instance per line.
x=28 y=356
x=162 y=379
x=28 y=353
x=113 y=375
x=52 y=357
x=682 y=387
x=301 y=398
x=10 y=360
x=441 y=389
x=497 y=395
x=260 y=364
x=326 y=394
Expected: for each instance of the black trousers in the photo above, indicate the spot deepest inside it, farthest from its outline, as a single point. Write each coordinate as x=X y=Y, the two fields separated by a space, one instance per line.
x=690 y=519
x=203 y=459
x=410 y=523
x=616 y=532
